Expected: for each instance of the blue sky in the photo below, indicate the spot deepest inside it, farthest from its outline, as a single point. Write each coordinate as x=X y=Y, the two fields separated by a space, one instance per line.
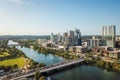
x=41 y=17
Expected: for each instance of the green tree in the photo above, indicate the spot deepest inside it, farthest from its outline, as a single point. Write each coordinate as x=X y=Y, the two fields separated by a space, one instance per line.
x=15 y=66
x=37 y=75
x=42 y=78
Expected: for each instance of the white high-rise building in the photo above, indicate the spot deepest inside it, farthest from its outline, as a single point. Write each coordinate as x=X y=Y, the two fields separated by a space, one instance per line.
x=108 y=35
x=94 y=42
x=52 y=38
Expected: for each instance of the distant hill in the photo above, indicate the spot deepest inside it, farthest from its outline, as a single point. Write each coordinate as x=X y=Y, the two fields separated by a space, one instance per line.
x=13 y=37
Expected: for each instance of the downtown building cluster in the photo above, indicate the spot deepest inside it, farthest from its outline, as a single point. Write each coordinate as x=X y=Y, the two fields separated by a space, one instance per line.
x=70 y=38
x=107 y=39
x=107 y=44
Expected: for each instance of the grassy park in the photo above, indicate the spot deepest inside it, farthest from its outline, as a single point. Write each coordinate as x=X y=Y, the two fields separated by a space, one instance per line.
x=19 y=61
x=4 y=54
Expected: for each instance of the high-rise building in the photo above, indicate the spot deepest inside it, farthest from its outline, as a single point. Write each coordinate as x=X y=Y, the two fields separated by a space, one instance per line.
x=70 y=38
x=74 y=37
x=64 y=36
x=93 y=42
x=52 y=38
x=57 y=38
x=71 y=35
x=78 y=37
x=108 y=36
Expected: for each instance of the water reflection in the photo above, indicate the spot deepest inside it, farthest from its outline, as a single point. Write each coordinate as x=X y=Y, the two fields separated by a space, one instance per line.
x=84 y=72
x=49 y=59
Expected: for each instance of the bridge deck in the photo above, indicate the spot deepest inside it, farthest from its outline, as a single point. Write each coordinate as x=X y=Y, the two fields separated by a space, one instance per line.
x=49 y=69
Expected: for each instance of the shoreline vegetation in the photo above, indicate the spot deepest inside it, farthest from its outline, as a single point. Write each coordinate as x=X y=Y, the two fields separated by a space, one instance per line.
x=43 y=50
x=109 y=66
x=94 y=61
x=12 y=59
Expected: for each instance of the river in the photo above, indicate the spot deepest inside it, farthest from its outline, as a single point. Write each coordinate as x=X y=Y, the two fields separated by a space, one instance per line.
x=82 y=72
x=48 y=59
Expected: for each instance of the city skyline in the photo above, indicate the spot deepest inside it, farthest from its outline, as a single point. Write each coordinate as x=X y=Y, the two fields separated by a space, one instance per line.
x=33 y=17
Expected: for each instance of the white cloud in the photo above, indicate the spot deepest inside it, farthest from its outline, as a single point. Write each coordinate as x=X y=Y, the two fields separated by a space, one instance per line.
x=17 y=1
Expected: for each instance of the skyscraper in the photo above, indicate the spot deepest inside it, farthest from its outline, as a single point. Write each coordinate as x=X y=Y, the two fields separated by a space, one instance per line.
x=57 y=38
x=78 y=36
x=108 y=36
x=71 y=35
x=94 y=42
x=52 y=38
x=74 y=37
x=69 y=38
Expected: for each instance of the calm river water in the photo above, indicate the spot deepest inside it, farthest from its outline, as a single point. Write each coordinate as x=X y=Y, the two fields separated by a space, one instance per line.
x=82 y=72
x=48 y=59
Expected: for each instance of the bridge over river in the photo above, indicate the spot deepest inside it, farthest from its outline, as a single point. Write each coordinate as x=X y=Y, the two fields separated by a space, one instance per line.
x=47 y=68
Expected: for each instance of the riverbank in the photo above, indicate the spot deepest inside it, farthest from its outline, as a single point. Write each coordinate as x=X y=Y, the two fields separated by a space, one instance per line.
x=35 y=56
x=109 y=66
x=13 y=59
x=10 y=57
x=37 y=47
x=60 y=53
x=85 y=72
